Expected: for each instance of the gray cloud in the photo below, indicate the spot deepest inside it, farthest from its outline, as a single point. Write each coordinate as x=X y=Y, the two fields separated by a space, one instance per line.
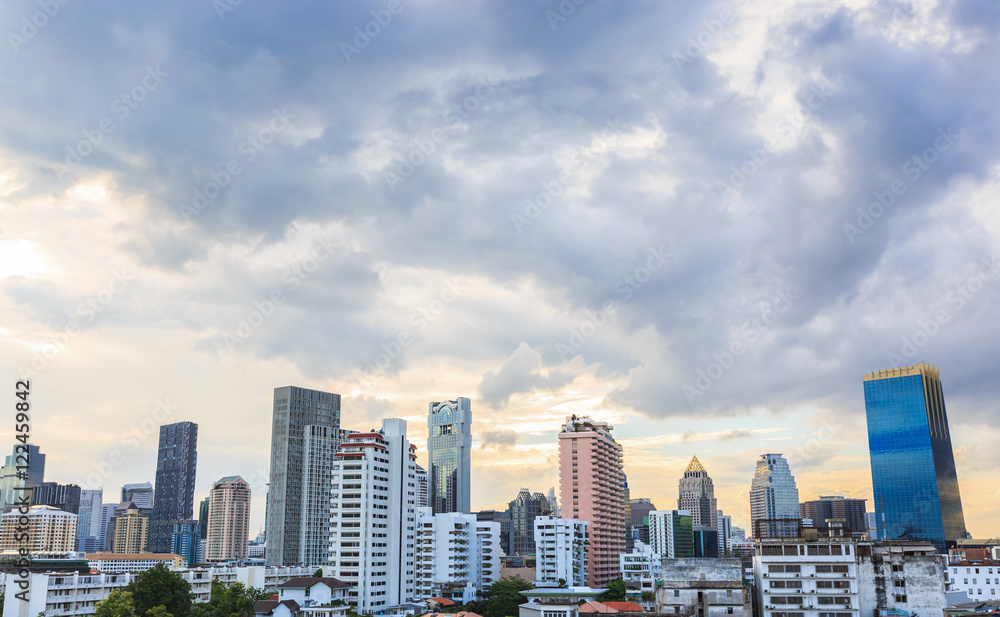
x=520 y=373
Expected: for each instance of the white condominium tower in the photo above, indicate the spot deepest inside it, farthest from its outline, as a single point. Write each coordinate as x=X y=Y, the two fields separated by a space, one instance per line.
x=372 y=515
x=456 y=548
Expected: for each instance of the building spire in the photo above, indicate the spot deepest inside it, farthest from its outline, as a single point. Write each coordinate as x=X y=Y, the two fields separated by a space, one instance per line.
x=694 y=465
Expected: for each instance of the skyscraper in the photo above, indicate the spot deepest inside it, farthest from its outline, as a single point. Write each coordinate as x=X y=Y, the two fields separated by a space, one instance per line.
x=184 y=541
x=591 y=483
x=228 y=520
x=203 y=518
x=173 y=500
x=422 y=488
x=449 y=448
x=295 y=409
x=65 y=497
x=88 y=524
x=697 y=495
x=372 y=517
x=12 y=486
x=671 y=533
x=640 y=508
x=523 y=511
x=852 y=511
x=916 y=495
x=140 y=493
x=319 y=446
x=774 y=499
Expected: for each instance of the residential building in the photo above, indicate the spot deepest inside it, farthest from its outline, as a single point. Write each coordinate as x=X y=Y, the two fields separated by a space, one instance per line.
x=48 y=529
x=372 y=517
x=139 y=493
x=566 y=602
x=725 y=530
x=702 y=588
x=313 y=596
x=458 y=549
x=643 y=565
x=774 y=499
x=591 y=481
x=901 y=578
x=639 y=509
x=173 y=500
x=228 y=520
x=561 y=551
x=851 y=512
x=671 y=533
x=916 y=494
x=523 y=510
x=319 y=445
x=130 y=530
x=65 y=497
x=697 y=495
x=184 y=542
x=449 y=451
x=16 y=482
x=979 y=580
x=423 y=488
x=503 y=518
x=799 y=576
x=295 y=409
x=113 y=563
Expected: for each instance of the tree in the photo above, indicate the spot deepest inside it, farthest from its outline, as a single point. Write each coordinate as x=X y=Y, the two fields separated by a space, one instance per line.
x=159 y=586
x=505 y=596
x=615 y=593
x=318 y=573
x=562 y=583
x=118 y=604
x=158 y=611
x=236 y=600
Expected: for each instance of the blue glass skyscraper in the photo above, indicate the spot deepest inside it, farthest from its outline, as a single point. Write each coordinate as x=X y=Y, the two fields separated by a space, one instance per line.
x=913 y=468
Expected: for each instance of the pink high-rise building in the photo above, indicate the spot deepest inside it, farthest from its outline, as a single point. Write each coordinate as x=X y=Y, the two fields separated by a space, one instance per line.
x=592 y=489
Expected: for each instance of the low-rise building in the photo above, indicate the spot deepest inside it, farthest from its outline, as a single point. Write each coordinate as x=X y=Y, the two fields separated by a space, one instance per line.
x=901 y=576
x=113 y=563
x=315 y=596
x=561 y=551
x=702 y=587
x=979 y=580
x=564 y=602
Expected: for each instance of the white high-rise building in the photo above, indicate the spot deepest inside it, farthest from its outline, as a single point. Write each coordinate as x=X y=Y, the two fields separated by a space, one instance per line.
x=670 y=533
x=372 y=516
x=774 y=499
x=725 y=530
x=455 y=548
x=561 y=548
x=422 y=488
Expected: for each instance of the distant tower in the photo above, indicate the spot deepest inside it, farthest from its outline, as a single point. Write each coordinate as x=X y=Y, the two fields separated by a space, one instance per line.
x=697 y=495
x=422 y=487
x=916 y=494
x=12 y=486
x=173 y=501
x=449 y=449
x=553 y=503
x=228 y=520
x=774 y=499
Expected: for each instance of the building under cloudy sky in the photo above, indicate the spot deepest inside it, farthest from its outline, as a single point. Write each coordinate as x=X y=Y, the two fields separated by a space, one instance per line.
x=702 y=223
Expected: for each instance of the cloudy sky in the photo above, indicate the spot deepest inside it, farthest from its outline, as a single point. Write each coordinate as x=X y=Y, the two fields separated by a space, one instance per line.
x=703 y=222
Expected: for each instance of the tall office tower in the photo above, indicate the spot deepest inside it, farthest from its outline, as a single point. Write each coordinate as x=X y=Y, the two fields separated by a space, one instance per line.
x=671 y=533
x=131 y=532
x=523 y=511
x=107 y=513
x=294 y=409
x=774 y=499
x=503 y=518
x=65 y=497
x=725 y=530
x=422 y=487
x=12 y=486
x=203 y=518
x=173 y=500
x=319 y=445
x=372 y=512
x=697 y=495
x=455 y=548
x=640 y=509
x=851 y=511
x=184 y=541
x=89 y=523
x=590 y=482
x=229 y=520
x=553 y=502
x=139 y=493
x=449 y=448
x=916 y=494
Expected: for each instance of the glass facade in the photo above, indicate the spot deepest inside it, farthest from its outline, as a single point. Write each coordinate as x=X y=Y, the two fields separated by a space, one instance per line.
x=914 y=479
x=449 y=446
x=173 y=499
x=774 y=499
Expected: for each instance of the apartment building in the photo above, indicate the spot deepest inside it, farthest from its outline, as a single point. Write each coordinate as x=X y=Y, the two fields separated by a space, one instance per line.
x=561 y=551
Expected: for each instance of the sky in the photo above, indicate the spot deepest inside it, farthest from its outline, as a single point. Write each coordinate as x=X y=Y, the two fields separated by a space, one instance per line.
x=701 y=222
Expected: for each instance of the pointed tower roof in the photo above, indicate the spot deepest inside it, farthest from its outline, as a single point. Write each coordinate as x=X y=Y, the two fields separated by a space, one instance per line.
x=695 y=465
